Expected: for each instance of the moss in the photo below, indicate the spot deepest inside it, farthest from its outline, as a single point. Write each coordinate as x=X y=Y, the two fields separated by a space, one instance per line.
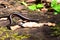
x=55 y=30
x=9 y=34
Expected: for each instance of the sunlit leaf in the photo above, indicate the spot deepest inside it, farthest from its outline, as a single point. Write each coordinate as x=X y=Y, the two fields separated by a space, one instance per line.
x=32 y=7
x=55 y=6
x=40 y=5
x=55 y=13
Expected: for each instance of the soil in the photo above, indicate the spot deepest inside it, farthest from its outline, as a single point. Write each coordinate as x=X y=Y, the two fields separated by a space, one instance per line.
x=7 y=7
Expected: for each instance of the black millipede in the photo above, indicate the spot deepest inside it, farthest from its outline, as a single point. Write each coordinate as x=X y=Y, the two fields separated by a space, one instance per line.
x=20 y=16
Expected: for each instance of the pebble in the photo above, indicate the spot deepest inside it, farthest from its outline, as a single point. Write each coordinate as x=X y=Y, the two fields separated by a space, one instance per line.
x=14 y=27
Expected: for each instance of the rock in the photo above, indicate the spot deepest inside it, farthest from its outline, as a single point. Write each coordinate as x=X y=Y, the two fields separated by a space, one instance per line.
x=31 y=24
x=34 y=24
x=14 y=27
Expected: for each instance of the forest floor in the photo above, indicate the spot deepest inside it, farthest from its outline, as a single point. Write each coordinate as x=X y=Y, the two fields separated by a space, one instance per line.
x=7 y=7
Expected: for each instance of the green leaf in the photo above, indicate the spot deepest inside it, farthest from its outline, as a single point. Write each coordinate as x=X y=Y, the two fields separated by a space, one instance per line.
x=55 y=5
x=55 y=13
x=40 y=5
x=57 y=8
x=32 y=7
